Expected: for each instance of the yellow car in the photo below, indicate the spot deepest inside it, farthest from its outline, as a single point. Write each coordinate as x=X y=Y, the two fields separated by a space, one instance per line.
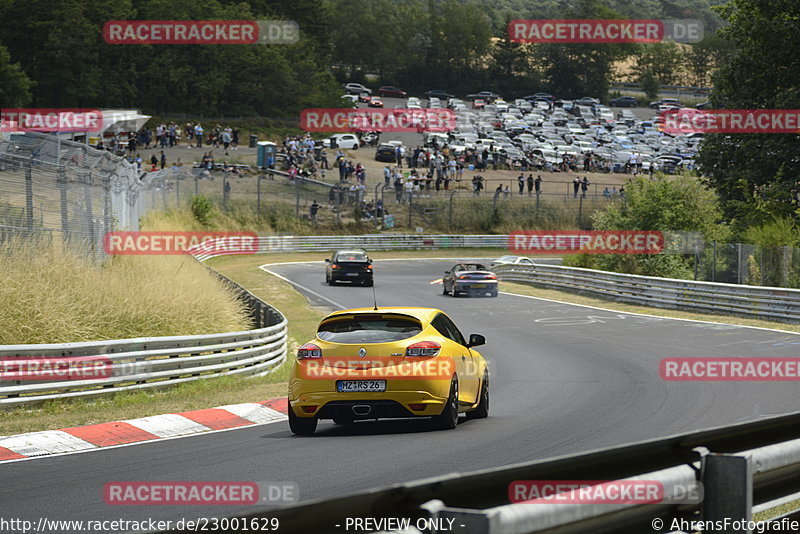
x=386 y=363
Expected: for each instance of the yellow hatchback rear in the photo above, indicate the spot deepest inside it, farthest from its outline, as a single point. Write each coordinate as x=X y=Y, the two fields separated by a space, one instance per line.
x=387 y=363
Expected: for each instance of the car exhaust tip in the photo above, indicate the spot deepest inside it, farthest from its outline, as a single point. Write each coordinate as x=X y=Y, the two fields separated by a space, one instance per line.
x=362 y=409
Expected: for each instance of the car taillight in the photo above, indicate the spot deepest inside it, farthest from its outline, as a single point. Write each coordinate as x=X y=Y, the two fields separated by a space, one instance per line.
x=462 y=276
x=423 y=348
x=491 y=277
x=309 y=351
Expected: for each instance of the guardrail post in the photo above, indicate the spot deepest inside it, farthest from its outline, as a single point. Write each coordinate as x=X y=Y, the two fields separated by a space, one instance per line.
x=728 y=491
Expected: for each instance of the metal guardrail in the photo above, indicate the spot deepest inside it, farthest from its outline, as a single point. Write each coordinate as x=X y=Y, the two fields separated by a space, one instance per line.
x=741 y=300
x=327 y=243
x=151 y=362
x=739 y=469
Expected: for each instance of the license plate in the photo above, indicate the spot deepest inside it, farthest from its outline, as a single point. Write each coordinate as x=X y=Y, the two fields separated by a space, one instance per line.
x=351 y=274
x=478 y=286
x=360 y=385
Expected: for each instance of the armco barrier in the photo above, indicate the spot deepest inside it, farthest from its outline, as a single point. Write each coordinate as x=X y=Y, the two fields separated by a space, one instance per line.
x=151 y=362
x=327 y=243
x=745 y=301
x=742 y=469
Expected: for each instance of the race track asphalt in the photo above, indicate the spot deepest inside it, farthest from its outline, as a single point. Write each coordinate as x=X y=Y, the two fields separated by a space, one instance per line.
x=565 y=379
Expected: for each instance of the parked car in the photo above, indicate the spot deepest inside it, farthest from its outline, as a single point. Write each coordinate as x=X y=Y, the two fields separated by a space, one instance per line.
x=665 y=102
x=623 y=102
x=351 y=265
x=357 y=88
x=587 y=101
x=512 y=260
x=438 y=93
x=488 y=96
x=547 y=97
x=391 y=90
x=470 y=279
x=386 y=153
x=342 y=140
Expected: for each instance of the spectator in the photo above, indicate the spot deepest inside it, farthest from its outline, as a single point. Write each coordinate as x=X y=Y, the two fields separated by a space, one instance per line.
x=153 y=162
x=576 y=185
x=198 y=133
x=163 y=160
x=530 y=185
x=312 y=210
x=521 y=183
x=584 y=186
x=398 y=187
x=537 y=183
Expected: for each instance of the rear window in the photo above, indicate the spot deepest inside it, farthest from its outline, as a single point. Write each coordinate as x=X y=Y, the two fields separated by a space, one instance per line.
x=369 y=329
x=351 y=256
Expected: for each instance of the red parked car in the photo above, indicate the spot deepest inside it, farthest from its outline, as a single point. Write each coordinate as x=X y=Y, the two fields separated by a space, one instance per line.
x=391 y=90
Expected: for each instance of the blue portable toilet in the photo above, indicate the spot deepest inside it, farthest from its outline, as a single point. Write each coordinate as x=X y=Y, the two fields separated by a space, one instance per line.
x=265 y=150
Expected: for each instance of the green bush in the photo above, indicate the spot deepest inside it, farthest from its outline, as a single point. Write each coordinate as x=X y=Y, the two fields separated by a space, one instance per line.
x=202 y=210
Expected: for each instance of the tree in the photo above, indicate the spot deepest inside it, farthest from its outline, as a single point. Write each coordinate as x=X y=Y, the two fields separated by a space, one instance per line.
x=668 y=204
x=15 y=86
x=649 y=84
x=663 y=60
x=756 y=175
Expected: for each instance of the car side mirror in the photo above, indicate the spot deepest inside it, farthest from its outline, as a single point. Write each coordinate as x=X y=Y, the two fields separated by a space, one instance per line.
x=327 y=260
x=447 y=272
x=476 y=340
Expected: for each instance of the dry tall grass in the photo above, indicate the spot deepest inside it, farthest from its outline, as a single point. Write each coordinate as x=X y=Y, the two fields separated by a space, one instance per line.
x=49 y=295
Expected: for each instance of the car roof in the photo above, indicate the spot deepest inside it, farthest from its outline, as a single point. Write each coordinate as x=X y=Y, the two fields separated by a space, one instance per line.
x=423 y=314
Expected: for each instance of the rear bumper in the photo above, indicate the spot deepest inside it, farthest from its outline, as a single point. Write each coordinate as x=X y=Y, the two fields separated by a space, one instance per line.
x=378 y=405
x=476 y=287
x=352 y=276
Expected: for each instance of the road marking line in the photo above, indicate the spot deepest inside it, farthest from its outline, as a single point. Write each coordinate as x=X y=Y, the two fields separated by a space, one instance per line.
x=303 y=288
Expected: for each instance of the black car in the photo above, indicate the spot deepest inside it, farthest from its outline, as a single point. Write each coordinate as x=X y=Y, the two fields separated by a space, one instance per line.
x=386 y=153
x=470 y=279
x=351 y=265
x=438 y=93
x=623 y=102
x=488 y=96
x=544 y=97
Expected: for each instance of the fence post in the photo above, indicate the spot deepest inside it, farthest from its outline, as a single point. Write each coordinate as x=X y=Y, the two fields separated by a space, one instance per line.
x=450 y=215
x=62 y=186
x=410 y=206
x=727 y=491
x=714 y=262
x=107 y=204
x=29 y=195
x=87 y=193
x=258 y=193
x=177 y=189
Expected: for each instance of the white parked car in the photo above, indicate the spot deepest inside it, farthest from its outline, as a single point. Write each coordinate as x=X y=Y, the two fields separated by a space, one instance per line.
x=513 y=260
x=343 y=140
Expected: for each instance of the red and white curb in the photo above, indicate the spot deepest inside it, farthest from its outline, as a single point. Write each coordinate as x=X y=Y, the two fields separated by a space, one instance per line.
x=82 y=438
